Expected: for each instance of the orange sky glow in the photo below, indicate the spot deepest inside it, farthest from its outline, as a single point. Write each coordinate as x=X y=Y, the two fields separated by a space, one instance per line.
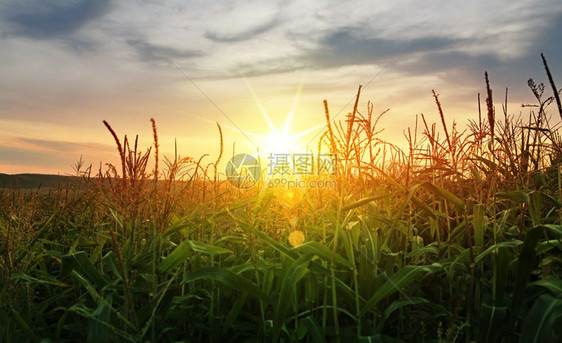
x=248 y=66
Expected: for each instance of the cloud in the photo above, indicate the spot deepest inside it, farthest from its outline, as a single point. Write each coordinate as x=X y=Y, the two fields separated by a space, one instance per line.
x=242 y=35
x=454 y=41
x=55 y=146
x=68 y=62
x=12 y=155
x=53 y=18
x=151 y=52
x=459 y=67
x=547 y=42
x=346 y=47
x=17 y=160
x=439 y=61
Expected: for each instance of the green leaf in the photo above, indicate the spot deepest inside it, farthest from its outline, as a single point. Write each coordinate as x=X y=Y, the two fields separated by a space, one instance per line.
x=176 y=257
x=320 y=250
x=479 y=224
x=117 y=216
x=313 y=329
x=228 y=278
x=176 y=226
x=554 y=285
x=516 y=196
x=401 y=303
x=366 y=201
x=185 y=250
x=98 y=332
x=404 y=277
x=543 y=318
x=525 y=266
x=85 y=312
x=23 y=325
x=80 y=262
x=101 y=301
x=513 y=243
x=555 y=229
x=266 y=239
x=431 y=249
x=207 y=248
x=491 y=320
x=234 y=312
x=161 y=305
x=31 y=279
x=450 y=197
x=109 y=260
x=493 y=166
x=293 y=274
x=378 y=338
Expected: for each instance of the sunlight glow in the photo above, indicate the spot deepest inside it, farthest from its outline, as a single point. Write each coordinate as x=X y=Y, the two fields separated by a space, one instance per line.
x=280 y=143
x=279 y=140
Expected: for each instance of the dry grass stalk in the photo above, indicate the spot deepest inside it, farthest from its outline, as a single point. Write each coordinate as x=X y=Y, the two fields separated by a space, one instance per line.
x=554 y=89
x=333 y=148
x=119 y=146
x=490 y=106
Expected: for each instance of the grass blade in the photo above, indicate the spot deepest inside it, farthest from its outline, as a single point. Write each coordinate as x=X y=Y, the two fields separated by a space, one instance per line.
x=229 y=279
x=544 y=317
x=296 y=271
x=404 y=277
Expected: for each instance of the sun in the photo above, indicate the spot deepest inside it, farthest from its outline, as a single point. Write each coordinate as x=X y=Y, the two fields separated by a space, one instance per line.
x=280 y=142
x=278 y=139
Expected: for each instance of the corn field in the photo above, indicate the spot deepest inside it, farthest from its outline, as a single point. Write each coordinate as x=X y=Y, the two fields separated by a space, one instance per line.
x=455 y=238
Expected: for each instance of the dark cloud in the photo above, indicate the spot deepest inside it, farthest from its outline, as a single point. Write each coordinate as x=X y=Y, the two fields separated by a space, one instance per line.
x=431 y=55
x=52 y=19
x=456 y=66
x=244 y=35
x=512 y=73
x=549 y=43
x=346 y=47
x=268 y=67
x=80 y=45
x=150 y=52
x=441 y=61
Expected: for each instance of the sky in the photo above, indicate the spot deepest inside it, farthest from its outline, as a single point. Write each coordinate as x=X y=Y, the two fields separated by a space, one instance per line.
x=67 y=65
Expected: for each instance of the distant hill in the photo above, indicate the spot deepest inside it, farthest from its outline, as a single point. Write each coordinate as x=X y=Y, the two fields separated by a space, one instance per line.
x=46 y=181
x=35 y=180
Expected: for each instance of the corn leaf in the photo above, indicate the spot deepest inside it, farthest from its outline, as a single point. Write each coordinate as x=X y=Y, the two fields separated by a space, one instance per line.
x=397 y=282
x=543 y=318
